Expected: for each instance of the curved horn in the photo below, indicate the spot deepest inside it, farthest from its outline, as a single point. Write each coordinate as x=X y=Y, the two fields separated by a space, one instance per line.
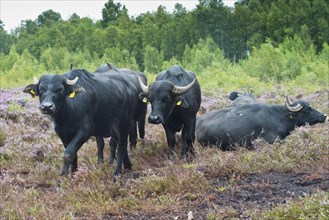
x=288 y=100
x=178 y=90
x=71 y=66
x=296 y=108
x=72 y=82
x=143 y=86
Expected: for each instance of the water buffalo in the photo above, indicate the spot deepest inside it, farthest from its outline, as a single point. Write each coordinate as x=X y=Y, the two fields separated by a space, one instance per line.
x=140 y=112
x=241 y=99
x=82 y=105
x=175 y=99
x=242 y=124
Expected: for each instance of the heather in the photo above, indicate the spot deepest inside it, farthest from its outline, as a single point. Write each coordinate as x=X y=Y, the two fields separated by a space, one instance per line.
x=292 y=176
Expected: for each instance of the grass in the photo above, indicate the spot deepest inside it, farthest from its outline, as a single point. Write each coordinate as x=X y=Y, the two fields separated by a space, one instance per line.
x=310 y=207
x=31 y=158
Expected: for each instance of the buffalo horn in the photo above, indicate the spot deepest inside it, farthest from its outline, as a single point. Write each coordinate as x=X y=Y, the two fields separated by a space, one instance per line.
x=72 y=82
x=288 y=100
x=71 y=66
x=143 y=86
x=181 y=90
x=296 y=108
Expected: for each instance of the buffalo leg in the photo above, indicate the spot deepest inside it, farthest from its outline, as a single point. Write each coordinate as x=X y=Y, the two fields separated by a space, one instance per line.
x=74 y=166
x=113 y=146
x=171 y=140
x=133 y=136
x=121 y=152
x=188 y=137
x=126 y=162
x=100 y=149
x=70 y=154
x=141 y=129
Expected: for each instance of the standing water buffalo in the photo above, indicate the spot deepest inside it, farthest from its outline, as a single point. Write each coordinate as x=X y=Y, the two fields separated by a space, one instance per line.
x=175 y=99
x=242 y=124
x=83 y=105
x=241 y=99
x=140 y=112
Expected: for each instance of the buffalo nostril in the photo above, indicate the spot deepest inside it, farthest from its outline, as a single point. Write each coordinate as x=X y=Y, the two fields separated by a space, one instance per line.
x=46 y=106
x=154 y=119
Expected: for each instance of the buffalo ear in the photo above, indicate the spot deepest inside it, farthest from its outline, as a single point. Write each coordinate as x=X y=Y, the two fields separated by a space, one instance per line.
x=76 y=89
x=181 y=102
x=142 y=96
x=31 y=89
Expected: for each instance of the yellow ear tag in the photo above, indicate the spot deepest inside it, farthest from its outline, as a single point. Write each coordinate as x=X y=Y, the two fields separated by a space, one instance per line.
x=145 y=100
x=32 y=93
x=179 y=102
x=72 y=94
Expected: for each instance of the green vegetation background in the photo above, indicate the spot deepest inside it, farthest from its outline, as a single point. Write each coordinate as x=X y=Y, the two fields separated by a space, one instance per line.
x=253 y=46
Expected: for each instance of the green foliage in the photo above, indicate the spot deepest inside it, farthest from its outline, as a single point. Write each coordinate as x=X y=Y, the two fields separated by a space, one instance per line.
x=310 y=207
x=171 y=62
x=153 y=60
x=6 y=40
x=203 y=55
x=22 y=71
x=14 y=107
x=204 y=40
x=7 y=62
x=121 y=58
x=48 y=17
x=110 y=12
x=292 y=59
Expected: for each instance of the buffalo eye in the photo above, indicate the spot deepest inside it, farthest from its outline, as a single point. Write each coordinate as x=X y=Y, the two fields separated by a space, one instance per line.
x=166 y=98
x=59 y=90
x=308 y=109
x=41 y=90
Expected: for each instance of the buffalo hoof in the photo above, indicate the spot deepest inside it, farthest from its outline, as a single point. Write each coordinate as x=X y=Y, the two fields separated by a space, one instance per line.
x=143 y=142
x=171 y=154
x=100 y=161
x=65 y=170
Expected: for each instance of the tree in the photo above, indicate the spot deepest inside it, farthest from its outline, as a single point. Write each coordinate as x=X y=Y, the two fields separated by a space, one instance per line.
x=6 y=39
x=110 y=12
x=179 y=10
x=48 y=17
x=153 y=60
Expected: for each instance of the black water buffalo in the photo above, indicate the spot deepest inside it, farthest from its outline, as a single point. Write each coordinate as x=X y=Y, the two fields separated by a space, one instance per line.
x=241 y=99
x=82 y=105
x=175 y=99
x=140 y=112
x=242 y=124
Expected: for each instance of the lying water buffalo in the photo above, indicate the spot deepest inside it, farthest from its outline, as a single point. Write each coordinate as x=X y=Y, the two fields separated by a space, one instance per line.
x=242 y=124
x=82 y=105
x=175 y=98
